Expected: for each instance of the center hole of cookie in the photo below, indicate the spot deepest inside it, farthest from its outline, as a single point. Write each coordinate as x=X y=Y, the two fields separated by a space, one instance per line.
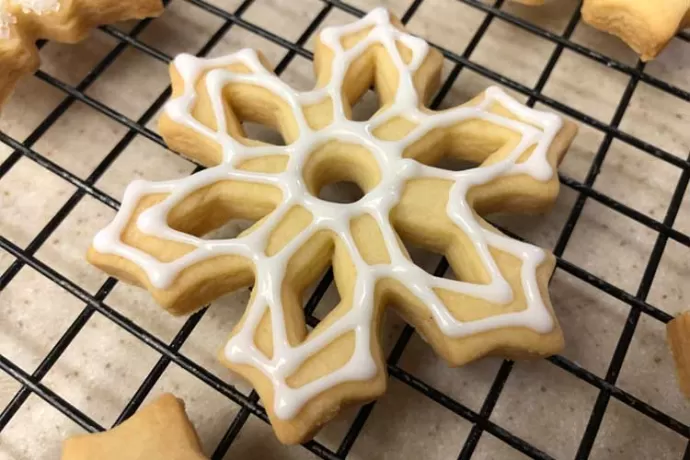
x=340 y=172
x=342 y=192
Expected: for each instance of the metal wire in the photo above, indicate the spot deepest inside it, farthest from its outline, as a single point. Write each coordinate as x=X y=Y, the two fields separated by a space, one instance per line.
x=94 y=304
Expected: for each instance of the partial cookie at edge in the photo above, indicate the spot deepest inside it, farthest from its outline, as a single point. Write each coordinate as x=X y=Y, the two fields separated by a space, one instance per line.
x=69 y=23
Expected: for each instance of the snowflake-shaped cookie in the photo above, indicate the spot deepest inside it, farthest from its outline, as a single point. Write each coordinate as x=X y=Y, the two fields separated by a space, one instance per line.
x=22 y=22
x=499 y=302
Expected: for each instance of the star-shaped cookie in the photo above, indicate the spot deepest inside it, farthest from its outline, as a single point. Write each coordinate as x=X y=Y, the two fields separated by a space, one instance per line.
x=158 y=431
x=22 y=22
x=645 y=25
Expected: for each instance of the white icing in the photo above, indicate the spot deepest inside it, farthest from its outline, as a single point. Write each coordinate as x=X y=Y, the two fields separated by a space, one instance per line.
x=536 y=128
x=28 y=6
x=6 y=21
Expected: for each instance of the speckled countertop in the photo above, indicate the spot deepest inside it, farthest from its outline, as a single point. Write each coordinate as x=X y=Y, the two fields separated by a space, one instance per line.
x=541 y=403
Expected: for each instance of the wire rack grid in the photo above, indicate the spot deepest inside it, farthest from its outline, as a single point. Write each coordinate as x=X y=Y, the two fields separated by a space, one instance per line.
x=170 y=352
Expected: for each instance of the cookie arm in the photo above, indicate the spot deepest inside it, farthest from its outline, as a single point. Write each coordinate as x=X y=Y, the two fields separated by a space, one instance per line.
x=16 y=60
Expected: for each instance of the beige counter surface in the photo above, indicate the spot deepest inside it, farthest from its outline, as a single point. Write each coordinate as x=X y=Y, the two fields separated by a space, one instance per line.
x=541 y=403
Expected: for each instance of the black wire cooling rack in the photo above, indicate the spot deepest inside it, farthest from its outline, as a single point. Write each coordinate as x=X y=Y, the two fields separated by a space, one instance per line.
x=607 y=389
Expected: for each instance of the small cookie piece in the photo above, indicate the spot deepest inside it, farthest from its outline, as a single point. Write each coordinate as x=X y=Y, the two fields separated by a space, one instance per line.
x=158 y=431
x=22 y=22
x=678 y=336
x=499 y=302
x=645 y=25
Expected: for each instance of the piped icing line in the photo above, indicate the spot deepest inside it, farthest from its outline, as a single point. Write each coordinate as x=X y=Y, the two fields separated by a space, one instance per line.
x=537 y=129
x=37 y=7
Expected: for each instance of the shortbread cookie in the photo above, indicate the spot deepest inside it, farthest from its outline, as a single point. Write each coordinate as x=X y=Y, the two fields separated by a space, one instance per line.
x=678 y=335
x=645 y=25
x=500 y=303
x=158 y=431
x=22 y=22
